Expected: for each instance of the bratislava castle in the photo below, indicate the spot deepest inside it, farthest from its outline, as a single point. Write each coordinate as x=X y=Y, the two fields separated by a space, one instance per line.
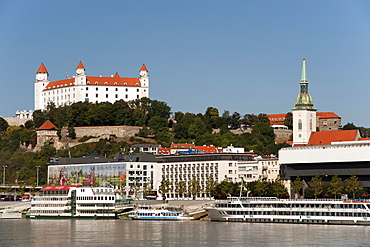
x=94 y=89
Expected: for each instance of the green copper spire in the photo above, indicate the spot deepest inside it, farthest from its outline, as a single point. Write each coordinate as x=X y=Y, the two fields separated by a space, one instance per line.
x=304 y=100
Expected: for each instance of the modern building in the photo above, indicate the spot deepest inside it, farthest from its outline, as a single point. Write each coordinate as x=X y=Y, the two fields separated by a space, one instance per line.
x=82 y=87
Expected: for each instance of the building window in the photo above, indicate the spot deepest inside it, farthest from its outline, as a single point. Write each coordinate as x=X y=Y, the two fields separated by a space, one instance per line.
x=96 y=95
x=87 y=88
x=137 y=96
x=116 y=96
x=116 y=89
x=126 y=89
x=106 y=96
x=126 y=96
x=96 y=89
x=87 y=95
x=299 y=124
x=106 y=89
x=137 y=90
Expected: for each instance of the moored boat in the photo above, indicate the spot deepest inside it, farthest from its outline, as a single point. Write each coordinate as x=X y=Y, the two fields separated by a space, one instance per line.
x=274 y=210
x=148 y=213
x=68 y=201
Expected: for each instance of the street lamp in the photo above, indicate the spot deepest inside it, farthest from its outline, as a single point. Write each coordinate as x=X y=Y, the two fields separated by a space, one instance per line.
x=4 y=175
x=37 y=181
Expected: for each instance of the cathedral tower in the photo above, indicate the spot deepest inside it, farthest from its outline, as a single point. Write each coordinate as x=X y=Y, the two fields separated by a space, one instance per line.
x=304 y=114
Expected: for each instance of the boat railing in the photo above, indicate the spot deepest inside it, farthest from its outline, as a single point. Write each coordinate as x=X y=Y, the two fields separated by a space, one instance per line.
x=236 y=199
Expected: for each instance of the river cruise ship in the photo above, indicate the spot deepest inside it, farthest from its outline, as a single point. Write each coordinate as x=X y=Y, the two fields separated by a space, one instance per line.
x=68 y=201
x=148 y=213
x=274 y=210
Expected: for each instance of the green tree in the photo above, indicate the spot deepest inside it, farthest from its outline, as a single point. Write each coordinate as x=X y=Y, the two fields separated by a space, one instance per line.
x=71 y=132
x=288 y=121
x=278 y=189
x=210 y=187
x=181 y=188
x=336 y=186
x=194 y=187
x=297 y=186
x=352 y=185
x=317 y=185
x=261 y=187
x=164 y=188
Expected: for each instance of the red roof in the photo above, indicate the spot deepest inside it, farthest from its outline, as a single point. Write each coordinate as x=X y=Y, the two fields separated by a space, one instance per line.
x=58 y=187
x=364 y=139
x=206 y=149
x=182 y=146
x=42 y=69
x=143 y=68
x=80 y=66
x=47 y=126
x=97 y=81
x=276 y=119
x=327 y=115
x=327 y=137
x=164 y=150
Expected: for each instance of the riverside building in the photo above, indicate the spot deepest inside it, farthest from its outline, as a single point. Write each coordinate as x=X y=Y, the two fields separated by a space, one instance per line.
x=323 y=153
x=82 y=87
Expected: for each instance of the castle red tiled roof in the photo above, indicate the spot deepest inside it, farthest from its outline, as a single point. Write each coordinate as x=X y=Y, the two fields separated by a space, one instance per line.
x=80 y=66
x=42 y=69
x=143 y=67
x=327 y=137
x=97 y=81
x=47 y=126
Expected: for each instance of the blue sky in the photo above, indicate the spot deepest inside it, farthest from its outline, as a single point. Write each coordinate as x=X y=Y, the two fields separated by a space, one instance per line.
x=242 y=56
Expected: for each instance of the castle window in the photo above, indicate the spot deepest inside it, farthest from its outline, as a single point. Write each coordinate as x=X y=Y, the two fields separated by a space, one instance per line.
x=126 y=96
x=115 y=83
x=105 y=83
x=125 y=83
x=96 y=89
x=136 y=84
x=137 y=90
x=310 y=124
x=126 y=89
x=116 y=89
x=137 y=96
x=106 y=96
x=87 y=88
x=88 y=82
x=106 y=89
x=299 y=124
x=87 y=95
x=116 y=96
x=96 y=82
x=96 y=95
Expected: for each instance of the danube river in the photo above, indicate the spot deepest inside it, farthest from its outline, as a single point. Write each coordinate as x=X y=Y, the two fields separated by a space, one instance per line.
x=160 y=233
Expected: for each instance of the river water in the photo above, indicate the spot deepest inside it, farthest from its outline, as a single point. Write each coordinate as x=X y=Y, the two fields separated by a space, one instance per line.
x=25 y=232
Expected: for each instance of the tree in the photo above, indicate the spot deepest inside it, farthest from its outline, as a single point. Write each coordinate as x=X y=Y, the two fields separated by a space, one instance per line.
x=278 y=189
x=261 y=187
x=317 y=186
x=181 y=188
x=3 y=124
x=194 y=188
x=335 y=187
x=210 y=187
x=147 y=188
x=297 y=186
x=71 y=132
x=164 y=188
x=352 y=185
x=288 y=121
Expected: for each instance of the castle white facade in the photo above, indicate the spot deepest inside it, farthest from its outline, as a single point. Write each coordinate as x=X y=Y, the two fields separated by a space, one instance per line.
x=94 y=89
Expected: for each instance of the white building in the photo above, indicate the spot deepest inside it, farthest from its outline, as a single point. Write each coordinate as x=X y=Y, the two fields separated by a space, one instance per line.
x=94 y=89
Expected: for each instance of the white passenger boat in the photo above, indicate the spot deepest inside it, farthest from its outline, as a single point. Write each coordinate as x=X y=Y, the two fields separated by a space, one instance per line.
x=148 y=213
x=273 y=210
x=68 y=201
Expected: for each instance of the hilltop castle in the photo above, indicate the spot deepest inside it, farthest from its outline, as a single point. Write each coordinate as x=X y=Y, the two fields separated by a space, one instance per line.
x=94 y=89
